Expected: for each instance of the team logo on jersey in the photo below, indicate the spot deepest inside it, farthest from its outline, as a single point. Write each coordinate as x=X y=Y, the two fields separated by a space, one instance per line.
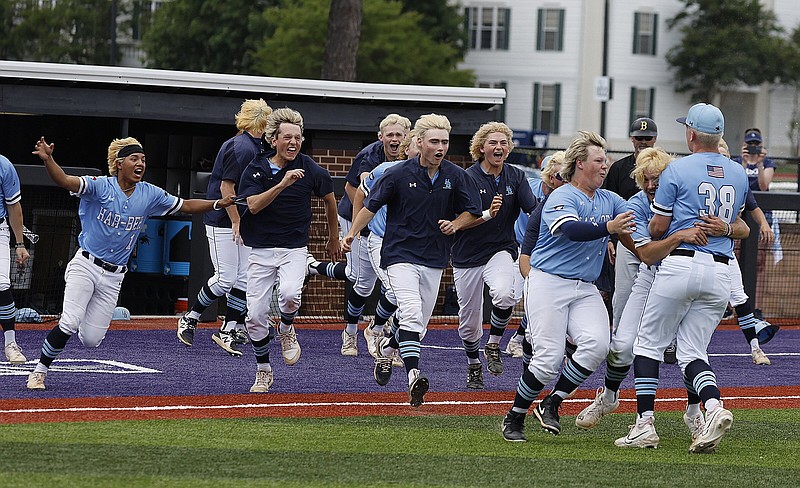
x=482 y=191
x=257 y=174
x=558 y=207
x=447 y=184
x=412 y=185
x=509 y=191
x=715 y=171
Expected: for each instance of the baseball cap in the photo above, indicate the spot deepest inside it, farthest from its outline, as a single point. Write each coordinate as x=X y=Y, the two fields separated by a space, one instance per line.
x=644 y=126
x=704 y=117
x=752 y=135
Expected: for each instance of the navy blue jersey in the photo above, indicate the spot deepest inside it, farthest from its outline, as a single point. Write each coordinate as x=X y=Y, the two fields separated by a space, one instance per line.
x=532 y=229
x=232 y=158
x=284 y=222
x=474 y=247
x=365 y=161
x=414 y=206
x=752 y=171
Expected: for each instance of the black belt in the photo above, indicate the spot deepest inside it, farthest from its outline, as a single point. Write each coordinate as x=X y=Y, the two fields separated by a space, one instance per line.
x=690 y=254
x=114 y=268
x=574 y=279
x=2 y=220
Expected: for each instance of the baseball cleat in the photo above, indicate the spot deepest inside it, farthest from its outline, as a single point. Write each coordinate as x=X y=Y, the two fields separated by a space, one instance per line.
x=14 y=354
x=514 y=427
x=759 y=357
x=383 y=365
x=695 y=424
x=671 y=354
x=290 y=348
x=349 y=345
x=36 y=381
x=766 y=331
x=514 y=348
x=417 y=389
x=240 y=336
x=494 y=363
x=186 y=327
x=548 y=417
x=226 y=341
x=717 y=424
x=264 y=380
x=373 y=337
x=591 y=415
x=642 y=434
x=475 y=376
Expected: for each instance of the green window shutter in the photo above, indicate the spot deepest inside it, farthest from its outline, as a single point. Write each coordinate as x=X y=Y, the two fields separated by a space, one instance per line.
x=536 y=89
x=632 y=107
x=540 y=30
x=655 y=34
x=635 y=32
x=502 y=112
x=557 y=110
x=467 y=26
x=650 y=109
x=507 y=32
x=560 y=46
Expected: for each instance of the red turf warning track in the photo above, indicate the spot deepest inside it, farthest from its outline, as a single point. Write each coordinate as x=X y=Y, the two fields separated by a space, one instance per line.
x=341 y=405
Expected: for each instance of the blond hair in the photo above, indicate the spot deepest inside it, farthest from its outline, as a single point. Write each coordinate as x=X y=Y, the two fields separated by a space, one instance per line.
x=579 y=149
x=431 y=121
x=652 y=160
x=724 y=145
x=393 y=119
x=282 y=116
x=253 y=115
x=113 y=151
x=407 y=140
x=482 y=134
x=553 y=165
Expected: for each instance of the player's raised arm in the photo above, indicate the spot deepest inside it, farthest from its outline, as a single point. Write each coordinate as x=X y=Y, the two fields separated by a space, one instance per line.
x=196 y=205
x=45 y=153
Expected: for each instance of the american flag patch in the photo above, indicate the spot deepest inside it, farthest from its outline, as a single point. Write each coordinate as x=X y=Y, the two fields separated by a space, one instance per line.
x=715 y=171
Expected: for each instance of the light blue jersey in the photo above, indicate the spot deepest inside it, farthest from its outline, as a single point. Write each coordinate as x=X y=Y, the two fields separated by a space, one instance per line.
x=702 y=184
x=522 y=221
x=554 y=252
x=378 y=223
x=111 y=221
x=9 y=186
x=642 y=214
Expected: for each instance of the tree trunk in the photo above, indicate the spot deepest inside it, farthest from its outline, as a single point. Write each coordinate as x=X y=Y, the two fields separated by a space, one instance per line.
x=341 y=48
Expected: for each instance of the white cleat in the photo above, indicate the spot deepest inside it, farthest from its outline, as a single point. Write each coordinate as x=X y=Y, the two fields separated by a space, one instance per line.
x=641 y=435
x=264 y=380
x=14 y=354
x=718 y=423
x=591 y=415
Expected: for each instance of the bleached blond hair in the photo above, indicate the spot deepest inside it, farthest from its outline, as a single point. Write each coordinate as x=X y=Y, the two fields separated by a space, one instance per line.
x=113 y=151
x=393 y=119
x=482 y=134
x=282 y=116
x=652 y=160
x=431 y=121
x=253 y=115
x=579 y=149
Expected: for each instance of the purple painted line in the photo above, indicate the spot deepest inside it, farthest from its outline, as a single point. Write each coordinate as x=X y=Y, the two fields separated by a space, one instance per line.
x=205 y=369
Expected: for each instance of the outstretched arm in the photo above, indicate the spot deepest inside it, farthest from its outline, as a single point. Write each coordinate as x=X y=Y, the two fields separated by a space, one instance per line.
x=45 y=153
x=202 y=206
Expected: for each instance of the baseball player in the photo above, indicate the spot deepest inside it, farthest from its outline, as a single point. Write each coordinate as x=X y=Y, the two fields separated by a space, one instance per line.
x=277 y=189
x=560 y=298
x=692 y=286
x=649 y=165
x=541 y=187
x=392 y=130
x=10 y=221
x=228 y=253
x=112 y=211
x=428 y=199
x=487 y=251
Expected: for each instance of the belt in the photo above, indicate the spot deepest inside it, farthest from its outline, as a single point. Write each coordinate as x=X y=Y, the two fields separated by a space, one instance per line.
x=106 y=266
x=690 y=254
x=573 y=279
x=2 y=220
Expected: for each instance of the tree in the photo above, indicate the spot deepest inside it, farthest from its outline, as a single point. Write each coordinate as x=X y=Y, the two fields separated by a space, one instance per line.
x=204 y=35
x=69 y=31
x=443 y=21
x=393 y=48
x=341 y=46
x=726 y=43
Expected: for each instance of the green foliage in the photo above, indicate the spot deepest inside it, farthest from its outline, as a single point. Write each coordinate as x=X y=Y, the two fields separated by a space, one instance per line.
x=414 y=450
x=443 y=20
x=727 y=43
x=69 y=31
x=394 y=48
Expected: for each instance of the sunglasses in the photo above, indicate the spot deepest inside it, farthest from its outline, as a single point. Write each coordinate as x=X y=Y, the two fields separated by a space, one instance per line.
x=558 y=177
x=644 y=138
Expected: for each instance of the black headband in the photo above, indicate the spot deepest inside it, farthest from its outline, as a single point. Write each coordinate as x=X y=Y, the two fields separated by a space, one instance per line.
x=128 y=150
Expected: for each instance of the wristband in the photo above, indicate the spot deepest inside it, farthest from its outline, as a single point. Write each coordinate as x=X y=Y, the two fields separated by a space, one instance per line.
x=19 y=245
x=486 y=215
x=214 y=206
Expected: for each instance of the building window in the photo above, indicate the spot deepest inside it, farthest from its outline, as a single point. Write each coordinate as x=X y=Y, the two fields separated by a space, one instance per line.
x=550 y=34
x=488 y=27
x=645 y=26
x=498 y=111
x=546 y=107
x=641 y=103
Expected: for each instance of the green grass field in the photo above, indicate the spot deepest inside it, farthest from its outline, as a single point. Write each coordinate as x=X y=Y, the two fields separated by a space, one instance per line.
x=762 y=449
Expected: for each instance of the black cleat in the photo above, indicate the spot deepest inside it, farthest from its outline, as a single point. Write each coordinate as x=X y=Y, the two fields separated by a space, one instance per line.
x=475 y=376
x=514 y=427
x=494 y=363
x=671 y=354
x=417 y=390
x=547 y=413
x=186 y=328
x=383 y=365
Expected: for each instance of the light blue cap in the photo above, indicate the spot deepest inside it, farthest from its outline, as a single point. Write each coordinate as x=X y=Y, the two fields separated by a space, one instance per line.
x=704 y=117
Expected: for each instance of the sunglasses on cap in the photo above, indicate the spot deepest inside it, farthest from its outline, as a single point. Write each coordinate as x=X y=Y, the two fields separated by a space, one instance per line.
x=643 y=138
x=558 y=177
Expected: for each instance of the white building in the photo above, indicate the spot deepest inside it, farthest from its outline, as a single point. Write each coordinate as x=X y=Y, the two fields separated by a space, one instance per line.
x=548 y=54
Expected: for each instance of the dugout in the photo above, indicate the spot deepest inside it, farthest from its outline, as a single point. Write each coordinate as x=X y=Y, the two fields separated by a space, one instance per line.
x=182 y=118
